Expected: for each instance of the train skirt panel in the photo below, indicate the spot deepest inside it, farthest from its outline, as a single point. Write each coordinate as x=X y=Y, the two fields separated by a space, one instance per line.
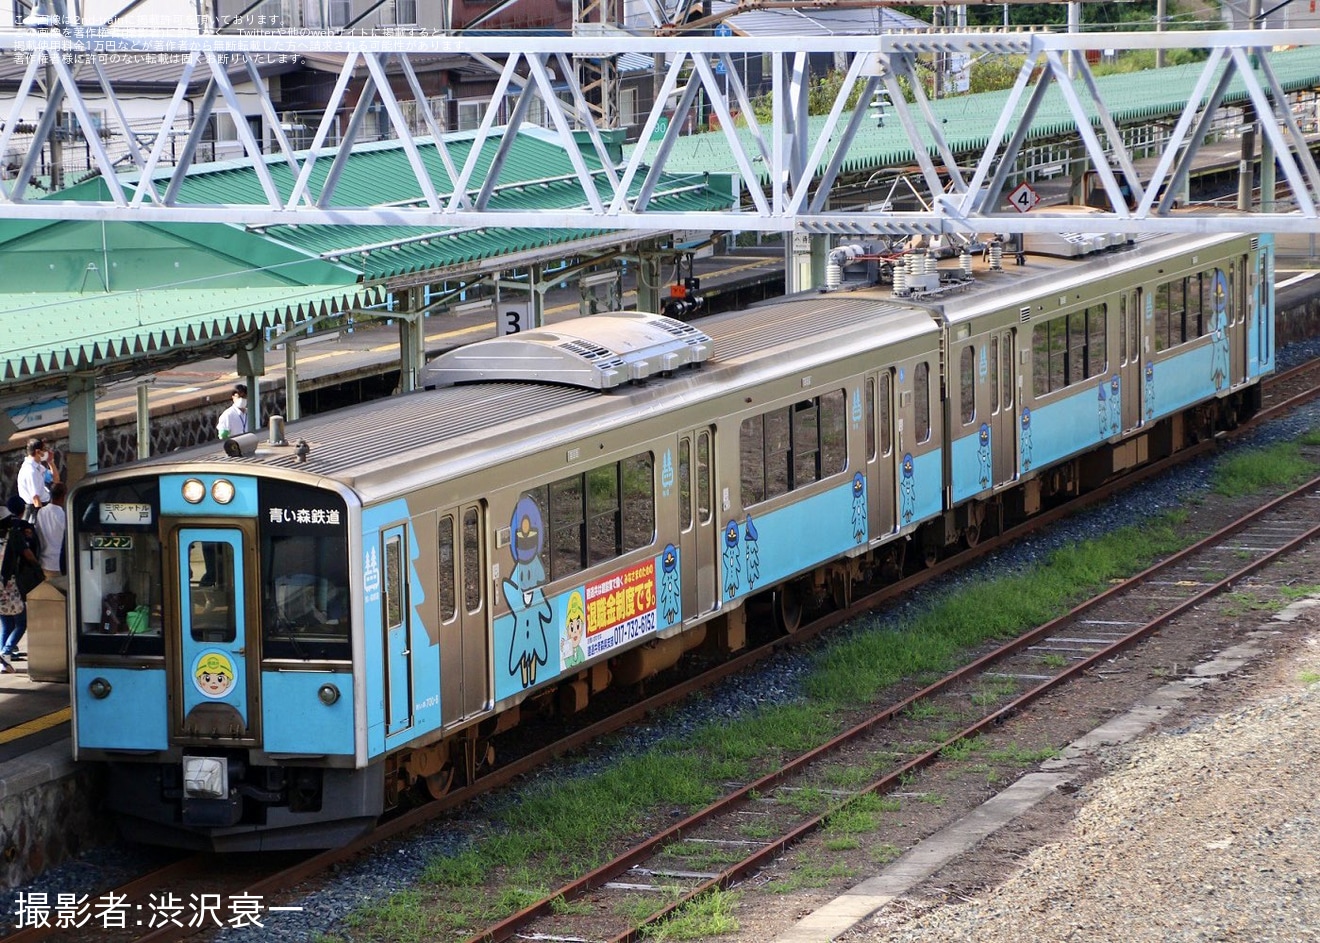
x=129 y=714
x=307 y=712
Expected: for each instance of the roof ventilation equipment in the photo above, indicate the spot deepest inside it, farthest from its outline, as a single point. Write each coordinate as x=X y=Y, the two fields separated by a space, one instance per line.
x=598 y=353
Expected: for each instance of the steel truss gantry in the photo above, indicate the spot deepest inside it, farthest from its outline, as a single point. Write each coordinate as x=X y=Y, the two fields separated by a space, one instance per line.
x=788 y=168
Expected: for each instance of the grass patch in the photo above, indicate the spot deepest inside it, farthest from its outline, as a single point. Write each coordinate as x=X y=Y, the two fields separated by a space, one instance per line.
x=811 y=874
x=1259 y=469
x=700 y=918
x=1309 y=677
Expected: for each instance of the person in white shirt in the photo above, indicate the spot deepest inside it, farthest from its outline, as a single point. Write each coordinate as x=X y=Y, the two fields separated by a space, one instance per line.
x=234 y=420
x=32 y=477
x=50 y=532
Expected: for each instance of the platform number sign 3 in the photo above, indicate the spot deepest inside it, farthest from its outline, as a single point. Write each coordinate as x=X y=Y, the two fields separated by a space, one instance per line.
x=1024 y=198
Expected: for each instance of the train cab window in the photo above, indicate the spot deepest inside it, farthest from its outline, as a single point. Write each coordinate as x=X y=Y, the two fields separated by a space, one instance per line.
x=305 y=611
x=212 y=594
x=967 y=383
x=116 y=569
x=472 y=581
x=446 y=577
x=921 y=395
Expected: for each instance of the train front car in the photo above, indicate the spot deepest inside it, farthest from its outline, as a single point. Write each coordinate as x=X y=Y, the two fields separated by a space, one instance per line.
x=213 y=670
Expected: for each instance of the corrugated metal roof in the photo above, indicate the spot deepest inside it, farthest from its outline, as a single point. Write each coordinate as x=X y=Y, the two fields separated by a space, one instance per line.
x=969 y=119
x=55 y=332
x=817 y=22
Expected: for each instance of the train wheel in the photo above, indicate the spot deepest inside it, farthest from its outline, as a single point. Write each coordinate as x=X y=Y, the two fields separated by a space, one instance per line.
x=972 y=534
x=841 y=588
x=788 y=608
x=439 y=784
x=932 y=556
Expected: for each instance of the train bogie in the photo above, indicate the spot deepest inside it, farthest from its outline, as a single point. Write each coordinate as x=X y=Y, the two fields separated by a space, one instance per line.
x=268 y=652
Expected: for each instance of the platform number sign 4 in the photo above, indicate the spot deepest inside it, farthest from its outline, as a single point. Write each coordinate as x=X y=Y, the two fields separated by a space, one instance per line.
x=1024 y=198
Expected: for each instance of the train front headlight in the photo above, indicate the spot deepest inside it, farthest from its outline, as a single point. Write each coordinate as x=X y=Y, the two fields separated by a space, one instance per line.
x=194 y=490
x=328 y=694
x=222 y=489
x=99 y=688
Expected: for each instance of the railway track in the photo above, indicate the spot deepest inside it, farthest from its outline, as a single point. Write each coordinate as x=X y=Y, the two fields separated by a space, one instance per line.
x=1001 y=683
x=163 y=906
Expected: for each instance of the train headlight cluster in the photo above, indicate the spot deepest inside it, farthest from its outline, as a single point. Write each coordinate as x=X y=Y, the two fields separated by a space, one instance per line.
x=222 y=490
x=328 y=694
x=194 y=491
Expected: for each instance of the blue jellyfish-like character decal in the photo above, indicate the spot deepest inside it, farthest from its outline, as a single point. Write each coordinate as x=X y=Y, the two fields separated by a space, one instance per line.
x=1026 y=437
x=671 y=600
x=907 y=491
x=859 y=507
x=1115 y=405
x=529 y=646
x=1149 y=392
x=1219 y=368
x=752 y=544
x=667 y=472
x=983 y=453
x=1102 y=407
x=732 y=560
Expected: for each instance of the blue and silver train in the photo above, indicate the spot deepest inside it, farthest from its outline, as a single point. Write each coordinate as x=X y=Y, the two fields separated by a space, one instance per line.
x=270 y=648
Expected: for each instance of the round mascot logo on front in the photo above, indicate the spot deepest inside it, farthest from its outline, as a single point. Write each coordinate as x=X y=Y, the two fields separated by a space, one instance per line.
x=213 y=674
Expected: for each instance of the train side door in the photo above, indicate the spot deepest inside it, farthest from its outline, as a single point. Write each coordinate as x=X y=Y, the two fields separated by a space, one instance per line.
x=697 y=537
x=1129 y=358
x=464 y=638
x=217 y=649
x=880 y=441
x=1003 y=416
x=395 y=626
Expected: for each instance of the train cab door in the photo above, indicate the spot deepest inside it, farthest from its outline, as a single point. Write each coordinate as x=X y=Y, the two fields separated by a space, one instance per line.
x=882 y=499
x=1129 y=358
x=395 y=627
x=697 y=532
x=218 y=644
x=1002 y=383
x=464 y=638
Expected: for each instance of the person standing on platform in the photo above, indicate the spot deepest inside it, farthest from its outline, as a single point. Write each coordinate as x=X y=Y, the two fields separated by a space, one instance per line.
x=50 y=532
x=32 y=477
x=234 y=420
x=18 y=561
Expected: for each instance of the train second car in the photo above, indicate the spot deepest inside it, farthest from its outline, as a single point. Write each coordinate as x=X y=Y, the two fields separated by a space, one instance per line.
x=271 y=647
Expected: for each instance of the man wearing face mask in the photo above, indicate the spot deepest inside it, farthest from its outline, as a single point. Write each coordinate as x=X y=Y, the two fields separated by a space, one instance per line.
x=32 y=486
x=234 y=420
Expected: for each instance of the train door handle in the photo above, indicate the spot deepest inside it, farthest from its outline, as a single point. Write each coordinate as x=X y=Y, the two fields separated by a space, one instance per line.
x=406 y=651
x=239 y=651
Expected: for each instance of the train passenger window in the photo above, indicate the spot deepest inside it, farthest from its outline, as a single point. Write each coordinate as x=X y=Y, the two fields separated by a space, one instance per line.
x=967 y=383
x=638 y=501
x=446 y=578
x=212 y=595
x=1097 y=360
x=778 y=440
x=921 y=395
x=472 y=582
x=705 y=509
x=833 y=433
x=603 y=538
x=994 y=375
x=568 y=528
x=1124 y=354
x=751 y=452
x=1075 y=362
x=886 y=412
x=1161 y=328
x=869 y=419
x=684 y=483
x=392 y=588
x=806 y=443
